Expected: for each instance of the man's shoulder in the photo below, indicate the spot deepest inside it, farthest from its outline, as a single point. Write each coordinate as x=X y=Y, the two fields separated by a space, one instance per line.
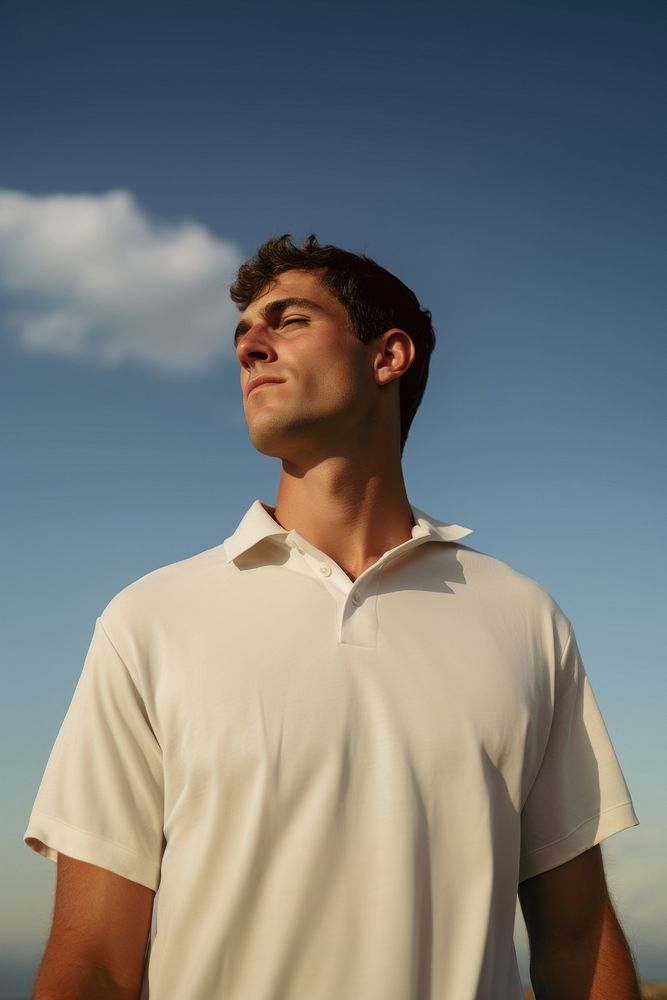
x=492 y=569
x=483 y=569
x=493 y=583
x=164 y=590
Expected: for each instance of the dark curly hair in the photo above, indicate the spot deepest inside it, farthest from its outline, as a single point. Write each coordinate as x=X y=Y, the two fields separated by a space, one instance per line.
x=374 y=298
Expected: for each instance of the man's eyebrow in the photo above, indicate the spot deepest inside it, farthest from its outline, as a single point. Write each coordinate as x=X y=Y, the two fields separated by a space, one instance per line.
x=273 y=310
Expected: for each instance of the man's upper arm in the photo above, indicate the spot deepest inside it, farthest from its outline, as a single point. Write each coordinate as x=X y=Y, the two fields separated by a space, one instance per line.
x=577 y=947
x=566 y=902
x=100 y=930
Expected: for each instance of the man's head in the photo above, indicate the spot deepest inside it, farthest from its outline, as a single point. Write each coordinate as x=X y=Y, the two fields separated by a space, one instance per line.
x=374 y=300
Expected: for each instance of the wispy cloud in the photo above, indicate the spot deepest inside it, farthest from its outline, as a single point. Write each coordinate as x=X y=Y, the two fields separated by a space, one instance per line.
x=92 y=276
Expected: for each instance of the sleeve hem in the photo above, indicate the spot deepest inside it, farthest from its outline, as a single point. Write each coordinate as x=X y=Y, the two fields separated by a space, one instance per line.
x=49 y=837
x=587 y=835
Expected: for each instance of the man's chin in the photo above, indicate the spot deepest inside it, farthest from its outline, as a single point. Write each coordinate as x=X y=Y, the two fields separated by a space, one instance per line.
x=295 y=444
x=266 y=441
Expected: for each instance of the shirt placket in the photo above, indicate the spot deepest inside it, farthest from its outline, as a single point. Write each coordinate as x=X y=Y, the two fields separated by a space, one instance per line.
x=355 y=600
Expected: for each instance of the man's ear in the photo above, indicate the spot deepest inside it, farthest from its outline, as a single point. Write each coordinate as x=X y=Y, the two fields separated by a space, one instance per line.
x=394 y=354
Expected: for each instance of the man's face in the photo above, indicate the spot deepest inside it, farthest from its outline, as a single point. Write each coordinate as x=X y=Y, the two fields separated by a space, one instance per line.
x=307 y=380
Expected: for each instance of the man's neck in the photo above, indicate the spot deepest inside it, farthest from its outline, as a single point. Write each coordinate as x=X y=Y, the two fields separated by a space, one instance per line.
x=354 y=518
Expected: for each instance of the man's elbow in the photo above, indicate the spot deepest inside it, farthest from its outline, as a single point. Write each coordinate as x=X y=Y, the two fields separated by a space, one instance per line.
x=592 y=963
x=75 y=977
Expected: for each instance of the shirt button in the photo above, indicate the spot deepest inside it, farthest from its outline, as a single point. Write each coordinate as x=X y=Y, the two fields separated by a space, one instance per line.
x=356 y=598
x=325 y=570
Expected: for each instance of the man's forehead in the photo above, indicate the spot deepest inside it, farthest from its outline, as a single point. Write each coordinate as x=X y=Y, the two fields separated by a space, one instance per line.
x=297 y=289
x=294 y=286
x=292 y=281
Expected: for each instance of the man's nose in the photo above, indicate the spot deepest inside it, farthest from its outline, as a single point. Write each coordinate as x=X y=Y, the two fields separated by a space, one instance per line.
x=256 y=344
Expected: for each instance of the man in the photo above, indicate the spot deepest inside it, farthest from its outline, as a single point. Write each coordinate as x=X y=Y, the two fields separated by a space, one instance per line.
x=341 y=742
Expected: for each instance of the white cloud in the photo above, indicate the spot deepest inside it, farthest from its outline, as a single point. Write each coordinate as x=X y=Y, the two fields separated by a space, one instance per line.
x=91 y=276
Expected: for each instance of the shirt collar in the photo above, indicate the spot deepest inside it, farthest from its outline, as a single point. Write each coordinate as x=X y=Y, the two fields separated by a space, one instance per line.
x=258 y=524
x=439 y=531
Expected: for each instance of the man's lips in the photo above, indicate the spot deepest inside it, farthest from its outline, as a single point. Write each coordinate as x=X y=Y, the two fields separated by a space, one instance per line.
x=254 y=383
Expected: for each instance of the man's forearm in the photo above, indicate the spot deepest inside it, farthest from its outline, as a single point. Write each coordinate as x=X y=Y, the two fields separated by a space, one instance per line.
x=58 y=980
x=598 y=967
x=615 y=976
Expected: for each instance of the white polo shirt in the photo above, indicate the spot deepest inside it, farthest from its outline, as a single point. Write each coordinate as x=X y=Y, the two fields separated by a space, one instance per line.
x=336 y=786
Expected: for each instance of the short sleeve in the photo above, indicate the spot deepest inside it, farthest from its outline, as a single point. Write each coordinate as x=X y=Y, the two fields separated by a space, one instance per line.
x=579 y=796
x=101 y=797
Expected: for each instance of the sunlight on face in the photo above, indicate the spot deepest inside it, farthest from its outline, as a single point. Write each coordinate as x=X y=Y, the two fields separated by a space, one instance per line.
x=307 y=380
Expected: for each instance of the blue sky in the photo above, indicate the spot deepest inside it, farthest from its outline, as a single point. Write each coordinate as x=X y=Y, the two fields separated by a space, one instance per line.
x=507 y=161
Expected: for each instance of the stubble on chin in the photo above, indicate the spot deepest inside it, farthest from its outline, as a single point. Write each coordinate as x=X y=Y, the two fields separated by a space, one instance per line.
x=266 y=433
x=281 y=438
